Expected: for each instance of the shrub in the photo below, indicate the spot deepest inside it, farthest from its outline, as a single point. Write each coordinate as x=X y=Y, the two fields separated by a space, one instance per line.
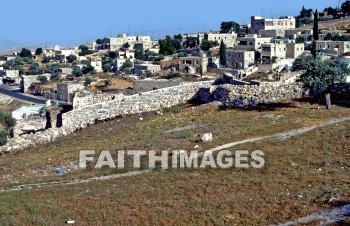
x=3 y=137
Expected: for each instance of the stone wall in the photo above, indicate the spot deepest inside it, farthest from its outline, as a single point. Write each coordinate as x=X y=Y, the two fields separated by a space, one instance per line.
x=229 y=95
x=144 y=102
x=81 y=118
x=81 y=100
x=250 y=95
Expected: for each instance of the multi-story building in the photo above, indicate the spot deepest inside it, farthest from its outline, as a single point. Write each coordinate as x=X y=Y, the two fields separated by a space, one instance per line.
x=252 y=42
x=114 y=44
x=230 y=39
x=240 y=59
x=333 y=47
x=282 y=50
x=259 y=23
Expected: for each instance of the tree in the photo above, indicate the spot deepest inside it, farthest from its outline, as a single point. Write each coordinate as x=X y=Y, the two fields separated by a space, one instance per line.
x=321 y=76
x=139 y=54
x=126 y=67
x=88 y=81
x=315 y=27
x=223 y=54
x=42 y=79
x=84 y=50
x=126 y=45
x=300 y=39
x=230 y=26
x=38 y=51
x=315 y=35
x=99 y=41
x=206 y=45
x=71 y=58
x=303 y=62
x=26 y=53
x=46 y=59
x=77 y=71
x=167 y=46
x=328 y=36
x=345 y=7
x=3 y=137
x=191 y=42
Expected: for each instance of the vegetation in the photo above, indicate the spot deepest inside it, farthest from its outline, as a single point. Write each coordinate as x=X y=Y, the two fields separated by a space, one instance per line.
x=315 y=35
x=85 y=50
x=300 y=39
x=7 y=122
x=107 y=64
x=320 y=75
x=126 y=67
x=207 y=45
x=26 y=53
x=223 y=54
x=167 y=46
x=71 y=58
x=345 y=7
x=42 y=79
x=336 y=37
x=39 y=51
x=77 y=71
x=290 y=170
x=230 y=26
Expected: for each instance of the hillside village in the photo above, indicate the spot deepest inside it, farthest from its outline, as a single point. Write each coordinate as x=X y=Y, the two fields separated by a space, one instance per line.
x=263 y=51
x=58 y=91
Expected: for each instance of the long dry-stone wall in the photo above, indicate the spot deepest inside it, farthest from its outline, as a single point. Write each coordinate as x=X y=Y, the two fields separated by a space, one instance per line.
x=81 y=118
x=250 y=95
x=229 y=95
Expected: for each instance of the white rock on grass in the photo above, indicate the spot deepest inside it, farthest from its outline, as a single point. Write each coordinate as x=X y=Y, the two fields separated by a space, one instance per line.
x=207 y=137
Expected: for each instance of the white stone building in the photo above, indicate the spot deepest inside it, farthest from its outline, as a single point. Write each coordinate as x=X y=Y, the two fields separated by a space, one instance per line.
x=259 y=23
x=240 y=59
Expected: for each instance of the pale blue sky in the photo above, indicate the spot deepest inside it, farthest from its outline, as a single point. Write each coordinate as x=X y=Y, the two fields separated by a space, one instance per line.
x=69 y=22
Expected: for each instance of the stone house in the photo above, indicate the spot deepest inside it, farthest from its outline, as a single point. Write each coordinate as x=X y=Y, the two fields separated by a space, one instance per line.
x=333 y=47
x=240 y=59
x=252 y=42
x=139 y=69
x=66 y=91
x=170 y=64
x=259 y=23
x=230 y=39
x=198 y=64
x=282 y=50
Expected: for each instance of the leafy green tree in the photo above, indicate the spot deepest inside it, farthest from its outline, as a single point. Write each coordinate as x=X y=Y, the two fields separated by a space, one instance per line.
x=191 y=42
x=26 y=53
x=300 y=39
x=126 y=45
x=84 y=50
x=55 y=76
x=126 y=67
x=139 y=54
x=345 y=7
x=230 y=26
x=321 y=76
x=99 y=41
x=88 y=81
x=71 y=58
x=3 y=137
x=42 y=79
x=223 y=54
x=39 y=51
x=303 y=62
x=206 y=45
x=77 y=71
x=166 y=46
x=46 y=59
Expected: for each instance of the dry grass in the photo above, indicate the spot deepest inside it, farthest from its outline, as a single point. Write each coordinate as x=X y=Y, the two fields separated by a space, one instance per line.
x=287 y=188
x=332 y=26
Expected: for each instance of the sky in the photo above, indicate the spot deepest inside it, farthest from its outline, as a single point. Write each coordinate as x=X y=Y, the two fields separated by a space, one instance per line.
x=72 y=22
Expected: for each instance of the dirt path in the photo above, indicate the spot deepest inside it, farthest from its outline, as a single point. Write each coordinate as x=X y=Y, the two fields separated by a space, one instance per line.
x=282 y=136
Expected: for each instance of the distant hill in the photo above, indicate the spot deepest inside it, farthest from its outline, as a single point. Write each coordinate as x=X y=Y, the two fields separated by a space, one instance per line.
x=340 y=25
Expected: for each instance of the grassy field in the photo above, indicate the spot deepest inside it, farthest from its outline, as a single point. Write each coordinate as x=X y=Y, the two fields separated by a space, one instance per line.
x=291 y=184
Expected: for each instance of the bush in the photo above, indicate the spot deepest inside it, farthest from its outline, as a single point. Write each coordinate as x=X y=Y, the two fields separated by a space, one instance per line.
x=7 y=120
x=3 y=137
x=42 y=79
